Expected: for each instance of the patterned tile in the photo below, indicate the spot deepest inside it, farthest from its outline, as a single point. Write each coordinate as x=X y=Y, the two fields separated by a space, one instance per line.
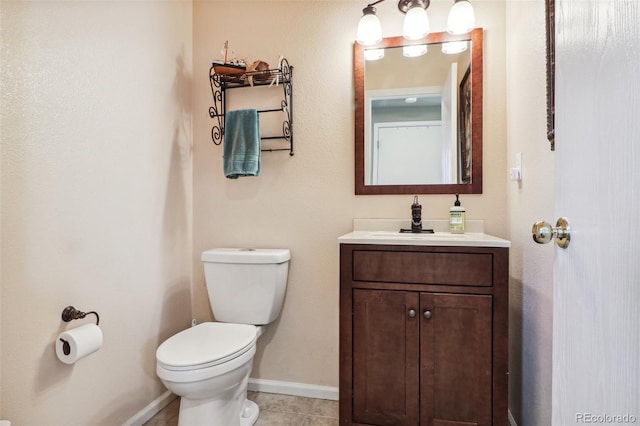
x=167 y=417
x=275 y=410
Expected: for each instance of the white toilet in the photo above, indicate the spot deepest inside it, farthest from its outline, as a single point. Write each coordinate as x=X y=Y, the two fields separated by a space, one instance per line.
x=208 y=365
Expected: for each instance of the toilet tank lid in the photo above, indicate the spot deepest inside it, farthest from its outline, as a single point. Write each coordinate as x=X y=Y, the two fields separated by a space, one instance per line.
x=246 y=255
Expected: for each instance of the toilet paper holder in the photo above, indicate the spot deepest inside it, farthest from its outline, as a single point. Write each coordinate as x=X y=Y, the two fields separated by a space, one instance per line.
x=70 y=313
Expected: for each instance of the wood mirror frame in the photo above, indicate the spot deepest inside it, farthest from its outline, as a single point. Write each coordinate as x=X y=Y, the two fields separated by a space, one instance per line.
x=550 y=22
x=475 y=187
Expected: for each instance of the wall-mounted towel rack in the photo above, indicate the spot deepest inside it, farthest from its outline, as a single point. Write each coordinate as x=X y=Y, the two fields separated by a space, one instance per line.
x=280 y=76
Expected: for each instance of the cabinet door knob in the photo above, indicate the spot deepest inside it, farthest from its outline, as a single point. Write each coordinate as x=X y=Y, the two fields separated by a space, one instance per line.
x=412 y=313
x=427 y=314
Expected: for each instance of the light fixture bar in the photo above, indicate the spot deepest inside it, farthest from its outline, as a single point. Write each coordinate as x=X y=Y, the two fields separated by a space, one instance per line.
x=416 y=25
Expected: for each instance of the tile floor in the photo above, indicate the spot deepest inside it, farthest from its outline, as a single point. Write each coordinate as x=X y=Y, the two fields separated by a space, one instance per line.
x=275 y=410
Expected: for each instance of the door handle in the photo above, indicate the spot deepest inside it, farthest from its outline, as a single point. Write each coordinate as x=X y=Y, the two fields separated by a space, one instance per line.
x=543 y=232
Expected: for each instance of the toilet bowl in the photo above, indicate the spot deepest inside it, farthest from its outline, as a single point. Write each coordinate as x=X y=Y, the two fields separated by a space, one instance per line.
x=208 y=365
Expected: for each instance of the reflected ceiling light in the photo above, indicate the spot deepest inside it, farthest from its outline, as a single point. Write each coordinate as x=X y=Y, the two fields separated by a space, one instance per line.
x=453 y=47
x=416 y=22
x=414 y=51
x=373 y=54
x=411 y=100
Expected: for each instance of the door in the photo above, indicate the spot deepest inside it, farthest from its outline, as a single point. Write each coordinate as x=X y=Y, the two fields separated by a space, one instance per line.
x=596 y=322
x=417 y=145
x=449 y=104
x=385 y=357
x=422 y=358
x=455 y=357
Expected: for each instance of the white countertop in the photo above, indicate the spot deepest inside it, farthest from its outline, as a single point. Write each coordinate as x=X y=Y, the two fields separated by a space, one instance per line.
x=387 y=231
x=471 y=239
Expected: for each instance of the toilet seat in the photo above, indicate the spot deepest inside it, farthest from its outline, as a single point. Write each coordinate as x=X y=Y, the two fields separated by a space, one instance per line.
x=206 y=345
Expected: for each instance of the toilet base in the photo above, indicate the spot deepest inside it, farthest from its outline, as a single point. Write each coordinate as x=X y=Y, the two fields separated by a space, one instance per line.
x=199 y=412
x=249 y=414
x=220 y=400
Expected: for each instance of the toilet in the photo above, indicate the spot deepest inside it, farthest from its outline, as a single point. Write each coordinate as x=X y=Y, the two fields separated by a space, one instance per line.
x=208 y=365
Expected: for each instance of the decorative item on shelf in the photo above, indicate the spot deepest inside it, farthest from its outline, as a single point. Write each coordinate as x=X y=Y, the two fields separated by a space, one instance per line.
x=230 y=67
x=227 y=68
x=258 y=70
x=416 y=26
x=241 y=69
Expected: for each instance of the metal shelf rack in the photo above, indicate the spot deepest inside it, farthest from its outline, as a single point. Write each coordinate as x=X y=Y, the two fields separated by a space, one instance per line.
x=281 y=76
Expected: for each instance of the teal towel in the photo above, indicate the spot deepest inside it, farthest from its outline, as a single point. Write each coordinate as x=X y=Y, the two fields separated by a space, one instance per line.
x=241 y=143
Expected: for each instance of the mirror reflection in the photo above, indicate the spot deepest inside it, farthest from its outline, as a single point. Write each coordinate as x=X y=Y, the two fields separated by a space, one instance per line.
x=419 y=115
x=413 y=117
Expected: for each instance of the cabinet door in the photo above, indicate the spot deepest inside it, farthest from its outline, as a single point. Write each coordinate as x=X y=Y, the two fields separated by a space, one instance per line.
x=385 y=357
x=455 y=351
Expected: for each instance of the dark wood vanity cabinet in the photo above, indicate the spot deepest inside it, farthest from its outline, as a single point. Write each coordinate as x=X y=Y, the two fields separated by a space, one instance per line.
x=423 y=335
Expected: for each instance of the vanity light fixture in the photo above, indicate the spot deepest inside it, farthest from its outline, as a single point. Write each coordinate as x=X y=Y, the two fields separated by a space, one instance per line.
x=461 y=19
x=416 y=22
x=369 y=29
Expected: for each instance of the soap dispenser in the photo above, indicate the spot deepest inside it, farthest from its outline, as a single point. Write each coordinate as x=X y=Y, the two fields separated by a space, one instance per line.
x=457 y=218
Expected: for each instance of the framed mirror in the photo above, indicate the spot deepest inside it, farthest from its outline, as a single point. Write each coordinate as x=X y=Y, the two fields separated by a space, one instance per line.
x=418 y=118
x=550 y=27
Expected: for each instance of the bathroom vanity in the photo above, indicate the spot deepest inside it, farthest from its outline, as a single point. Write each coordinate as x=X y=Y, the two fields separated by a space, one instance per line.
x=423 y=329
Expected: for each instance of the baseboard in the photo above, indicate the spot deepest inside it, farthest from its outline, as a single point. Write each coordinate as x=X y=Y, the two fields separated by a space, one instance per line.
x=292 y=388
x=151 y=410
x=512 y=421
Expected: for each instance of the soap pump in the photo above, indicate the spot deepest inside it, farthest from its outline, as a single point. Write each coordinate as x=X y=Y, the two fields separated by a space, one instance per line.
x=457 y=217
x=416 y=215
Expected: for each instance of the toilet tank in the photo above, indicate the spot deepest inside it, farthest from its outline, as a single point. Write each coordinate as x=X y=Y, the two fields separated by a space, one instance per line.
x=246 y=286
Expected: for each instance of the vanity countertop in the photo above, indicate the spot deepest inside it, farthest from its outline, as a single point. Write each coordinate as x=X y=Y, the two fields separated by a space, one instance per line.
x=471 y=239
x=370 y=232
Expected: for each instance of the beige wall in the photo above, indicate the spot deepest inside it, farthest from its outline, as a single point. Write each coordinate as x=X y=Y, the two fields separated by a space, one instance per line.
x=96 y=201
x=305 y=202
x=97 y=189
x=529 y=201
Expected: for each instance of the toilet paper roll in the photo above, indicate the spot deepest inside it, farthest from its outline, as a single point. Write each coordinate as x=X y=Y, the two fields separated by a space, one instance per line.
x=77 y=343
